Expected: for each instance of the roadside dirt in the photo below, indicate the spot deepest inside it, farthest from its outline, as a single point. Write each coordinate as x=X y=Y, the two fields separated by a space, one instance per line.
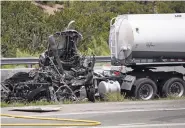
x=48 y=9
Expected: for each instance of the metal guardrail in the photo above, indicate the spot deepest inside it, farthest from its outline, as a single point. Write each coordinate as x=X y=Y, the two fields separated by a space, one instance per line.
x=31 y=61
x=12 y=61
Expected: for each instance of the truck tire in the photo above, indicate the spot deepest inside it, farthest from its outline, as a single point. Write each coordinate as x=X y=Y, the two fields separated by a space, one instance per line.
x=145 y=89
x=174 y=87
x=90 y=94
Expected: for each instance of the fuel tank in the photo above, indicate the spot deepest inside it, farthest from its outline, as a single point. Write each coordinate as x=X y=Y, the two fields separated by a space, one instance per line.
x=109 y=86
x=148 y=36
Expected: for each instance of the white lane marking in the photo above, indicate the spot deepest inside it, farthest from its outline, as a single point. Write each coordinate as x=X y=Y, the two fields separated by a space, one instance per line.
x=107 y=112
x=101 y=112
x=133 y=124
x=137 y=125
x=6 y=117
x=150 y=125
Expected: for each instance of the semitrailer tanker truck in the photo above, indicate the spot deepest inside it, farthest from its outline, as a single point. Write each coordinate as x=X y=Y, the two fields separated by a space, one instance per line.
x=143 y=42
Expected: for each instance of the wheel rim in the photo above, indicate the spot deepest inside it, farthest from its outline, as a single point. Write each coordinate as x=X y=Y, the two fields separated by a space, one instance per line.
x=176 y=89
x=146 y=92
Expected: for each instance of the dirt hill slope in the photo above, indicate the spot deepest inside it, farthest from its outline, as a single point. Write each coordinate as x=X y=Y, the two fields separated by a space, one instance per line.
x=49 y=9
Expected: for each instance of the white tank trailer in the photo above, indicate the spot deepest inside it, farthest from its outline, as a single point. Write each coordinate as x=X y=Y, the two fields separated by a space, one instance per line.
x=144 y=42
x=148 y=36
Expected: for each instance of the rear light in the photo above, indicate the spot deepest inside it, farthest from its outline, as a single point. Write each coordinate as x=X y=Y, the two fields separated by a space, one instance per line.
x=116 y=73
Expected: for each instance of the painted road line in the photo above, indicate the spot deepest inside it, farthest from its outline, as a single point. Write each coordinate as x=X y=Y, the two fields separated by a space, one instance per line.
x=156 y=125
x=133 y=124
x=138 y=125
x=149 y=125
x=102 y=112
x=109 y=112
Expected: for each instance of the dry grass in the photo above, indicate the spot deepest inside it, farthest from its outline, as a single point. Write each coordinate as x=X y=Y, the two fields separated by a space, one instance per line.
x=110 y=97
x=114 y=97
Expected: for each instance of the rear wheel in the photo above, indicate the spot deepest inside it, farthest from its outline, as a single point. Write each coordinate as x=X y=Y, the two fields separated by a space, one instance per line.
x=90 y=93
x=145 y=89
x=174 y=87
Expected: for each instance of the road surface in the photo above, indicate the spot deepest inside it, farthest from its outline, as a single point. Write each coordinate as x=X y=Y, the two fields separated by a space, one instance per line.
x=141 y=114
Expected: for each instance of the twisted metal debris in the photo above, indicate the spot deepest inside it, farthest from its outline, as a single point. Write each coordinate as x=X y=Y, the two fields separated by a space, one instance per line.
x=61 y=75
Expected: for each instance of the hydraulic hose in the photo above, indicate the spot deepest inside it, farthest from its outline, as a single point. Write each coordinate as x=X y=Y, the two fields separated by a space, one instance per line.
x=81 y=122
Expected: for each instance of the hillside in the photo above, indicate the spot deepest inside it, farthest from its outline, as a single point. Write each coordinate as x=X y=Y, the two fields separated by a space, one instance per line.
x=49 y=9
x=25 y=25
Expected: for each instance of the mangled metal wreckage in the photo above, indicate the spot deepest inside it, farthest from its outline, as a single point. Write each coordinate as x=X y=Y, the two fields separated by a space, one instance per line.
x=63 y=73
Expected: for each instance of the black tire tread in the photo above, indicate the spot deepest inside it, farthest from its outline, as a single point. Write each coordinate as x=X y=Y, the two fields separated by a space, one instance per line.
x=168 y=82
x=139 y=82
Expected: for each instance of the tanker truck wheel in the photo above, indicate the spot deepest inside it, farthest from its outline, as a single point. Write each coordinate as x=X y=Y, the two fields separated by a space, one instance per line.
x=174 y=87
x=145 y=89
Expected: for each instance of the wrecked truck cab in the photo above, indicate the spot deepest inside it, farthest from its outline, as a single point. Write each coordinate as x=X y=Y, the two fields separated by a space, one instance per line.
x=62 y=72
x=66 y=45
x=76 y=70
x=67 y=37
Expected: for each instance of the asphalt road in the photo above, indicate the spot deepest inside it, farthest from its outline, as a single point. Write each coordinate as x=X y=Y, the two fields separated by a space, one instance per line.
x=142 y=114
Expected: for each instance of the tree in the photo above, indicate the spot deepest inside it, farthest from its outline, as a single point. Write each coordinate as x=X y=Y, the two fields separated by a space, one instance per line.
x=26 y=27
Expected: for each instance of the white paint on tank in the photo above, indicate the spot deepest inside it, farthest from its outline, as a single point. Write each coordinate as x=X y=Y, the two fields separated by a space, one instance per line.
x=148 y=32
x=125 y=34
x=161 y=35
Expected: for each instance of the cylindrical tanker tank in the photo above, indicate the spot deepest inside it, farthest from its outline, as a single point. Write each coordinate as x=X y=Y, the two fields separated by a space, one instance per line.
x=148 y=36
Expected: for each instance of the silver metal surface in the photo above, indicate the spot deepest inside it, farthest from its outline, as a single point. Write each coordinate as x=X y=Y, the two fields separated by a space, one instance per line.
x=148 y=36
x=105 y=87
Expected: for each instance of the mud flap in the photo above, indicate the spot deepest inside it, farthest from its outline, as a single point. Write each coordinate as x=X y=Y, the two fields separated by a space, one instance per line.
x=128 y=82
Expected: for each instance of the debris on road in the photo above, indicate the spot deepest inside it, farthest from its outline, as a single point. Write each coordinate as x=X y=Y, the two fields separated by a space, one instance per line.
x=36 y=109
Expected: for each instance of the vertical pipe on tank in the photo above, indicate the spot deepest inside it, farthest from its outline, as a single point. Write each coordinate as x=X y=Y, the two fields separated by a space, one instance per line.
x=116 y=40
x=117 y=33
x=112 y=36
